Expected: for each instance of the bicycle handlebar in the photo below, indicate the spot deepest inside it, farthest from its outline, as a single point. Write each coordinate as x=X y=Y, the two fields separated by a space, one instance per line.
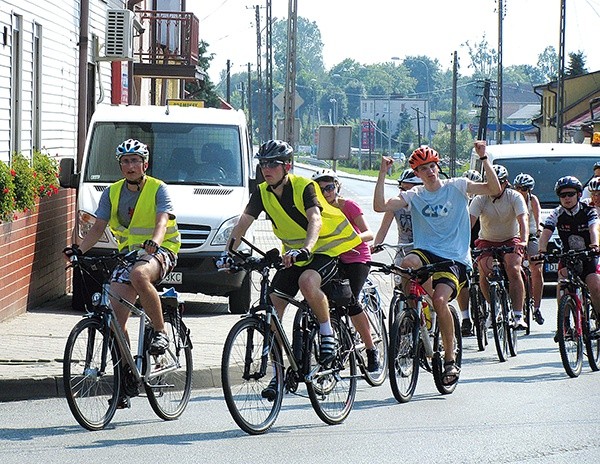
x=381 y=246
x=269 y=259
x=421 y=273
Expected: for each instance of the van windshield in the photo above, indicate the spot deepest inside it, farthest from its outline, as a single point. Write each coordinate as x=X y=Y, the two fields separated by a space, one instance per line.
x=547 y=170
x=201 y=154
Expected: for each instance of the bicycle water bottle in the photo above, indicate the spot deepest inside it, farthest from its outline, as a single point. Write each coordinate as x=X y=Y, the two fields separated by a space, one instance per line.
x=427 y=312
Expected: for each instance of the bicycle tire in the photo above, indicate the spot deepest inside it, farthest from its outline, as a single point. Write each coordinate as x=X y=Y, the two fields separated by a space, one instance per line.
x=169 y=393
x=332 y=389
x=404 y=353
x=480 y=313
x=591 y=327
x=498 y=324
x=379 y=335
x=509 y=326
x=91 y=395
x=570 y=344
x=529 y=304
x=241 y=380
x=439 y=354
x=394 y=308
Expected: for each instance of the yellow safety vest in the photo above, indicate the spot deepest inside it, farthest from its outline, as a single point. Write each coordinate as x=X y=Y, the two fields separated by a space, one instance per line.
x=143 y=221
x=336 y=236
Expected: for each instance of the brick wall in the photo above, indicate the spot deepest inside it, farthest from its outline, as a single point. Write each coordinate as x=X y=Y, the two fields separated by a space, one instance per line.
x=32 y=270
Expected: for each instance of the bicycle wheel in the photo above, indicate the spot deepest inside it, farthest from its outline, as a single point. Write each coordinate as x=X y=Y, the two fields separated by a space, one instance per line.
x=570 y=344
x=591 y=333
x=379 y=335
x=243 y=382
x=404 y=353
x=509 y=326
x=91 y=392
x=439 y=354
x=169 y=392
x=528 y=305
x=332 y=389
x=498 y=323
x=479 y=311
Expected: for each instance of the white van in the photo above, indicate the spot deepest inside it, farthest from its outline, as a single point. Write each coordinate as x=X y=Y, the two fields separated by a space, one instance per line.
x=205 y=157
x=546 y=163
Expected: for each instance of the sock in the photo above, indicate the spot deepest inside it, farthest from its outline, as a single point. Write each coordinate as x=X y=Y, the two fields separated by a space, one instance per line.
x=465 y=314
x=325 y=328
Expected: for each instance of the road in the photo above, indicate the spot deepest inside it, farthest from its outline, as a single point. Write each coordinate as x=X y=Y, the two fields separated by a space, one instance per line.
x=523 y=410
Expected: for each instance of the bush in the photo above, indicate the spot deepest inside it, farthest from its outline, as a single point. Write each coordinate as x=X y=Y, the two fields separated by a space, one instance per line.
x=7 y=197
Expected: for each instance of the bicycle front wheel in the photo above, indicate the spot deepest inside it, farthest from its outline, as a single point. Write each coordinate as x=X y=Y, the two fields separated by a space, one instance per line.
x=404 y=356
x=246 y=374
x=170 y=382
x=591 y=333
x=379 y=335
x=332 y=388
x=91 y=385
x=570 y=343
x=499 y=323
x=439 y=354
x=480 y=312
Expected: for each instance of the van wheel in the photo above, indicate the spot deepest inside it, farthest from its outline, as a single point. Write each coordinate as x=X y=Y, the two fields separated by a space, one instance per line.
x=239 y=300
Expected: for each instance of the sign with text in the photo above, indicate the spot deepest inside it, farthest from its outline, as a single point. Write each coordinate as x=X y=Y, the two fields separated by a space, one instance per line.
x=334 y=142
x=367 y=134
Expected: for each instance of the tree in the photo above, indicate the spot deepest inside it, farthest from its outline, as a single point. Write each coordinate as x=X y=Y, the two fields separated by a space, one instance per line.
x=203 y=90
x=548 y=64
x=576 y=65
x=483 y=58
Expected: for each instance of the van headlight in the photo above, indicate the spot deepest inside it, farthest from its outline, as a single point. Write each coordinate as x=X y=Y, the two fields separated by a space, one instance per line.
x=224 y=232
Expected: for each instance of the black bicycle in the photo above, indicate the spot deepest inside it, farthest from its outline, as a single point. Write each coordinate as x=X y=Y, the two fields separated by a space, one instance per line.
x=480 y=311
x=99 y=368
x=252 y=369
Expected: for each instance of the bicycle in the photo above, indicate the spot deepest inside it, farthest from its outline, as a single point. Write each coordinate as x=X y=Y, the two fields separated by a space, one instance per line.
x=99 y=368
x=505 y=337
x=480 y=310
x=252 y=357
x=528 y=303
x=415 y=338
x=578 y=323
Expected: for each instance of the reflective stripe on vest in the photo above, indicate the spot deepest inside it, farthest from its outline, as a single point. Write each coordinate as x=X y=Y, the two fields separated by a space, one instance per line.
x=143 y=221
x=336 y=236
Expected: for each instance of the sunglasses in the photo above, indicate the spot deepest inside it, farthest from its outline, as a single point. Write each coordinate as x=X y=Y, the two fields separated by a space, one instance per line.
x=328 y=188
x=270 y=164
x=523 y=189
x=131 y=162
x=567 y=194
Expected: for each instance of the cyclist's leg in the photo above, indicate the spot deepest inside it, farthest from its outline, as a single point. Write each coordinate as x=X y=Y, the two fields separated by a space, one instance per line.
x=592 y=280
x=537 y=279
x=512 y=265
x=357 y=274
x=142 y=276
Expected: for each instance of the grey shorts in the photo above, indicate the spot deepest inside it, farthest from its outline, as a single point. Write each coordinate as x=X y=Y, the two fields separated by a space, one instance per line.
x=166 y=259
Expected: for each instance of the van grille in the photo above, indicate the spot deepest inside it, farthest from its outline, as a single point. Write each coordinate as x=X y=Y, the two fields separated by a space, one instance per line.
x=212 y=191
x=100 y=188
x=193 y=236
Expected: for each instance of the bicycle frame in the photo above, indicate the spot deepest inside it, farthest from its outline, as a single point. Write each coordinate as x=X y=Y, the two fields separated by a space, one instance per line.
x=576 y=289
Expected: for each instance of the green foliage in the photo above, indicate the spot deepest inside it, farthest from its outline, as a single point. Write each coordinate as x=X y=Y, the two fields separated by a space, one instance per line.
x=204 y=90
x=548 y=64
x=46 y=174
x=25 y=183
x=7 y=198
x=576 y=65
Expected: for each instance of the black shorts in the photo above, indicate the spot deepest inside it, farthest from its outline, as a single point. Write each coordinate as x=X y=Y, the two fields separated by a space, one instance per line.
x=286 y=280
x=357 y=274
x=453 y=275
x=585 y=267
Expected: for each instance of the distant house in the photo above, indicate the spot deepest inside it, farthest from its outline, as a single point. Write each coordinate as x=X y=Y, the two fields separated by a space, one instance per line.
x=522 y=120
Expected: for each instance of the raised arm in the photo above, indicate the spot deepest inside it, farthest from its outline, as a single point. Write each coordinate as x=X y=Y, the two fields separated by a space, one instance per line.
x=380 y=204
x=491 y=185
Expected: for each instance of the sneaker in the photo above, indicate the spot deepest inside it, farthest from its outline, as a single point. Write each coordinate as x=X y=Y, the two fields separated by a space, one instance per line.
x=519 y=323
x=537 y=317
x=327 y=349
x=270 y=391
x=122 y=403
x=159 y=343
x=466 y=328
x=373 y=360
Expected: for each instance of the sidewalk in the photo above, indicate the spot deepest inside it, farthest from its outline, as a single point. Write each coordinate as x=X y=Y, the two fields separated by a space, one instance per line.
x=32 y=344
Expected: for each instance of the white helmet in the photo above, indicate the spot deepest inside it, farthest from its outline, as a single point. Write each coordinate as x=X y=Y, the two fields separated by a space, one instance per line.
x=132 y=147
x=473 y=175
x=325 y=174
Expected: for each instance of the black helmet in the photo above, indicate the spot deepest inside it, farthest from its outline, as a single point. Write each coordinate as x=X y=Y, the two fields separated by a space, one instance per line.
x=566 y=182
x=275 y=150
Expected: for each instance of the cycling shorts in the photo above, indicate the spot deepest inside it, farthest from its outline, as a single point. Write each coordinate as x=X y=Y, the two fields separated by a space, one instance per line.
x=166 y=260
x=586 y=267
x=453 y=275
x=286 y=280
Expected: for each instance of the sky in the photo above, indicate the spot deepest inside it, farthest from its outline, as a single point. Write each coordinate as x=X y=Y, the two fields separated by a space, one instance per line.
x=374 y=31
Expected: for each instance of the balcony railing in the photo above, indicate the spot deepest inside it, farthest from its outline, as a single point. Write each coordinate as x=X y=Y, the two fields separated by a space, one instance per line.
x=170 y=38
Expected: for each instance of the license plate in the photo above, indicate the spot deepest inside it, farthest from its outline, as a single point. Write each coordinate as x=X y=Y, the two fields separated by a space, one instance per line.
x=173 y=278
x=551 y=267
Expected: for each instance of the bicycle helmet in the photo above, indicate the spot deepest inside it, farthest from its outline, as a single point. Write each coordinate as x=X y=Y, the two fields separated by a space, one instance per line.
x=501 y=172
x=132 y=147
x=594 y=185
x=597 y=163
x=473 y=175
x=423 y=155
x=325 y=174
x=409 y=176
x=568 y=181
x=275 y=150
x=524 y=180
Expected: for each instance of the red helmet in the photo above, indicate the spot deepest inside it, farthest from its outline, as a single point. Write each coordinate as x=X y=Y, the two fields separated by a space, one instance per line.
x=423 y=155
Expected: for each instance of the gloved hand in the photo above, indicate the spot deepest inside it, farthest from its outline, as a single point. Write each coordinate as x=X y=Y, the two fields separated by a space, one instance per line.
x=72 y=250
x=150 y=246
x=224 y=261
x=538 y=257
x=298 y=255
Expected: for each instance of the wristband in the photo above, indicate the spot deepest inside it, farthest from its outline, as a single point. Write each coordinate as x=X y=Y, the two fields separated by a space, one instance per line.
x=483 y=158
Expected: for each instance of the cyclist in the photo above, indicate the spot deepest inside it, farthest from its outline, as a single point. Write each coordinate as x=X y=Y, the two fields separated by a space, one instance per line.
x=441 y=230
x=352 y=264
x=503 y=219
x=578 y=229
x=586 y=193
x=593 y=188
x=313 y=233
x=524 y=184
x=407 y=180
x=139 y=212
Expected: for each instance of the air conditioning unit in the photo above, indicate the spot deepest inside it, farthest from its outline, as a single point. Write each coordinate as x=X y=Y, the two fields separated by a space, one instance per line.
x=118 y=43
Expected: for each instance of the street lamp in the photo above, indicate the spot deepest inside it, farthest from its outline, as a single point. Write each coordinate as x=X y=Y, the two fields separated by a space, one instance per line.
x=333 y=102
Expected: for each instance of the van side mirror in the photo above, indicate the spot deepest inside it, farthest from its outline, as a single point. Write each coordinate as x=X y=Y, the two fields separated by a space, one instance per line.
x=258 y=178
x=67 y=177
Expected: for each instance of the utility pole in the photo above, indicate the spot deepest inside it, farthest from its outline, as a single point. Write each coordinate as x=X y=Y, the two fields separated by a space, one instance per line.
x=453 y=121
x=485 y=107
x=290 y=76
x=499 y=93
x=269 y=73
x=228 y=83
x=250 y=104
x=560 y=84
x=260 y=106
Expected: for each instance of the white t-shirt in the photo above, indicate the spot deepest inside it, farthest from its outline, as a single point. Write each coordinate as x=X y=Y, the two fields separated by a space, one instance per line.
x=498 y=217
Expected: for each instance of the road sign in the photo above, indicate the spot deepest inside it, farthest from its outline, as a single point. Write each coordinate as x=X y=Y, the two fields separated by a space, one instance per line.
x=279 y=103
